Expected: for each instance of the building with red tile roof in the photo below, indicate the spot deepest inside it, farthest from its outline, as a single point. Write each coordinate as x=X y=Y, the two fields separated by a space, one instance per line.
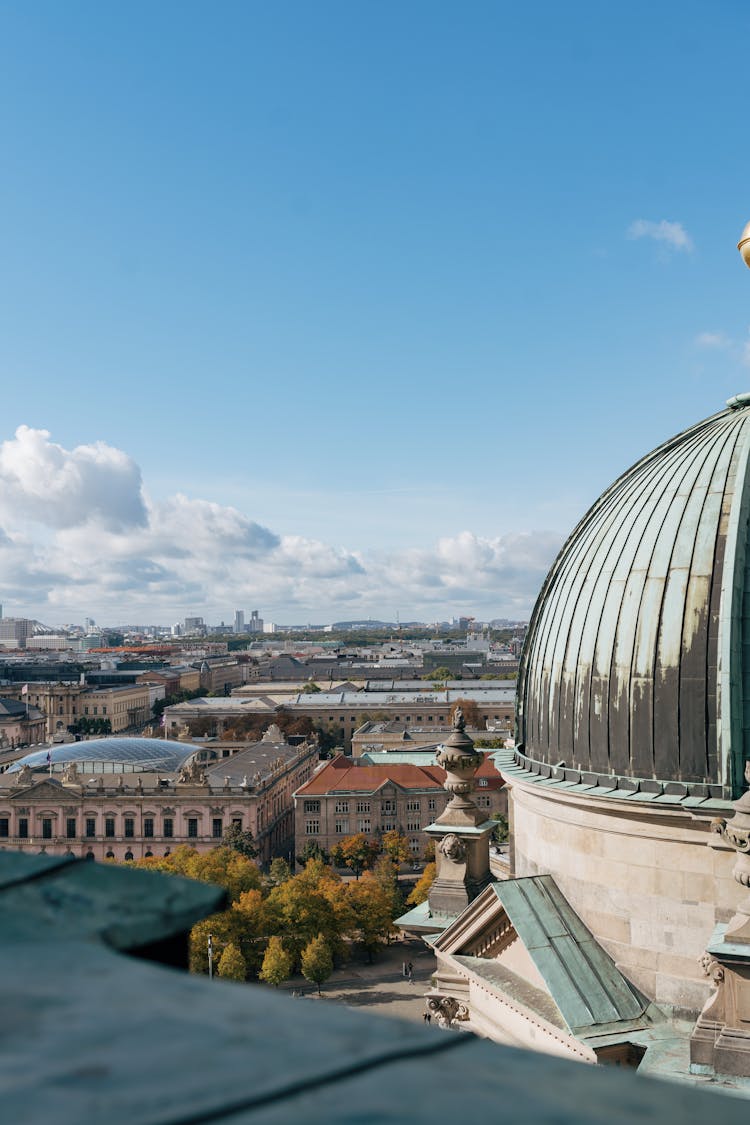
x=347 y=796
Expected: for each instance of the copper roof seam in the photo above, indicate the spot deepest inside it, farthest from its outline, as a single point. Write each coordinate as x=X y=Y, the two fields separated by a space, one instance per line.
x=715 y=453
x=619 y=499
x=563 y=632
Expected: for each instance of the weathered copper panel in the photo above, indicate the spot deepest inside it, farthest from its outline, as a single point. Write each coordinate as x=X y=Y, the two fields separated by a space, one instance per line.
x=622 y=660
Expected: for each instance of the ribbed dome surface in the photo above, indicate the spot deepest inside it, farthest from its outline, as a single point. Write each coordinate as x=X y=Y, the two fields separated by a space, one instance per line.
x=112 y=755
x=633 y=663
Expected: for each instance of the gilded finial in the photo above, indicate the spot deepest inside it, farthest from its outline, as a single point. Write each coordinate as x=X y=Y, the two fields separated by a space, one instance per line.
x=744 y=245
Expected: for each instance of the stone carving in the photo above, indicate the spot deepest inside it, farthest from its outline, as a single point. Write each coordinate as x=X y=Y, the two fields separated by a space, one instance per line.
x=70 y=774
x=736 y=833
x=459 y=759
x=711 y=968
x=453 y=848
x=24 y=776
x=446 y=1009
x=193 y=773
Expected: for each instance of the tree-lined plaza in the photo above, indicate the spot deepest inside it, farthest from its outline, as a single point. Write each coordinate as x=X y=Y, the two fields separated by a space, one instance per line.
x=278 y=924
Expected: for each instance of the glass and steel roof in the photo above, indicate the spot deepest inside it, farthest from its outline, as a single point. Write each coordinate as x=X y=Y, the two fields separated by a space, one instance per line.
x=111 y=755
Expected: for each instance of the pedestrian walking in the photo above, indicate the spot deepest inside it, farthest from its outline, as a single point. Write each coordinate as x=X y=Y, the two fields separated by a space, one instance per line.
x=403 y=968
x=409 y=968
x=410 y=978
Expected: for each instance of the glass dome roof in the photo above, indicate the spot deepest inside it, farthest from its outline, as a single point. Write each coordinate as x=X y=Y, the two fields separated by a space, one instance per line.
x=111 y=755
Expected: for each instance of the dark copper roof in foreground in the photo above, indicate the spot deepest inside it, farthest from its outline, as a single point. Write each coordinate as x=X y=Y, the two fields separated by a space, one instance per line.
x=633 y=663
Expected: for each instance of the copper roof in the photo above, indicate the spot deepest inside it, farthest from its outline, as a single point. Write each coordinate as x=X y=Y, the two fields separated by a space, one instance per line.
x=633 y=661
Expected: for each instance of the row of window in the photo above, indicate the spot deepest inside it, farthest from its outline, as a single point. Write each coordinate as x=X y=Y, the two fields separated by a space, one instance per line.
x=387 y=807
x=415 y=844
x=71 y=827
x=408 y=719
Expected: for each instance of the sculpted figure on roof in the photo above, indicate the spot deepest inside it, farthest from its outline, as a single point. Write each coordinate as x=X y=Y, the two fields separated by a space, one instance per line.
x=193 y=773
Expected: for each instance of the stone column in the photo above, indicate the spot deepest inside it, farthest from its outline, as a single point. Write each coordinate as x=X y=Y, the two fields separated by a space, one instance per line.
x=720 y=1042
x=461 y=832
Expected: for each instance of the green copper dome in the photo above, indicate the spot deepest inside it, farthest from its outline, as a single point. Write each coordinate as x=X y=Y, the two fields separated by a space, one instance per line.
x=637 y=659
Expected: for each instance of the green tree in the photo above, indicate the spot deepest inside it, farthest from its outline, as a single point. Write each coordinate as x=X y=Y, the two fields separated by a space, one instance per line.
x=310 y=688
x=384 y=874
x=396 y=846
x=313 y=850
x=232 y=963
x=355 y=852
x=220 y=865
x=240 y=840
x=311 y=903
x=371 y=909
x=422 y=888
x=279 y=871
x=442 y=673
x=500 y=831
x=317 y=961
x=277 y=963
x=224 y=929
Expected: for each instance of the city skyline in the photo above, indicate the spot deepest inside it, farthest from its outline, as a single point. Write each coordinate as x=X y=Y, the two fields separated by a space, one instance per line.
x=351 y=311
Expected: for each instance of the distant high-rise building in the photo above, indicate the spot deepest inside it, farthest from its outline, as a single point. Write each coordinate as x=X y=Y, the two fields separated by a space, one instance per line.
x=14 y=631
x=256 y=622
x=194 y=624
x=239 y=621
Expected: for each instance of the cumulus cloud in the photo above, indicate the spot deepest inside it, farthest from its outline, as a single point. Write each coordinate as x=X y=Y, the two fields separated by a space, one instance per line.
x=40 y=480
x=79 y=535
x=671 y=234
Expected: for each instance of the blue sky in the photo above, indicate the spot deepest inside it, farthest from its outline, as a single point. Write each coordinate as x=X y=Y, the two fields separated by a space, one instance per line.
x=387 y=293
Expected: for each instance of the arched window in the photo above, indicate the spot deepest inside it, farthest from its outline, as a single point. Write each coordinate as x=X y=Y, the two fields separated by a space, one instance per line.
x=128 y=856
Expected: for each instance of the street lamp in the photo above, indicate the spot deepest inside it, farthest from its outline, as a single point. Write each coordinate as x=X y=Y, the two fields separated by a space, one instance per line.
x=744 y=245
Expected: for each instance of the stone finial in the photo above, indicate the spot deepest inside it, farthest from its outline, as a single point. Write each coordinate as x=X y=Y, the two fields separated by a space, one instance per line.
x=460 y=760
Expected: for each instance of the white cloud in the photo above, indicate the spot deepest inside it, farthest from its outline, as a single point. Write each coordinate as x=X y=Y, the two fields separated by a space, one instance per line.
x=711 y=340
x=738 y=351
x=40 y=480
x=673 y=234
x=80 y=536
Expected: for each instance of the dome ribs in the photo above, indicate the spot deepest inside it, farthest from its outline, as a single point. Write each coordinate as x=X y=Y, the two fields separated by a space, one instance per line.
x=621 y=670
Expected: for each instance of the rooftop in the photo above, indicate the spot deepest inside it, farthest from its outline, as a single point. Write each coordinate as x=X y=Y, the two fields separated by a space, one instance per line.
x=84 y=1016
x=109 y=755
x=345 y=775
